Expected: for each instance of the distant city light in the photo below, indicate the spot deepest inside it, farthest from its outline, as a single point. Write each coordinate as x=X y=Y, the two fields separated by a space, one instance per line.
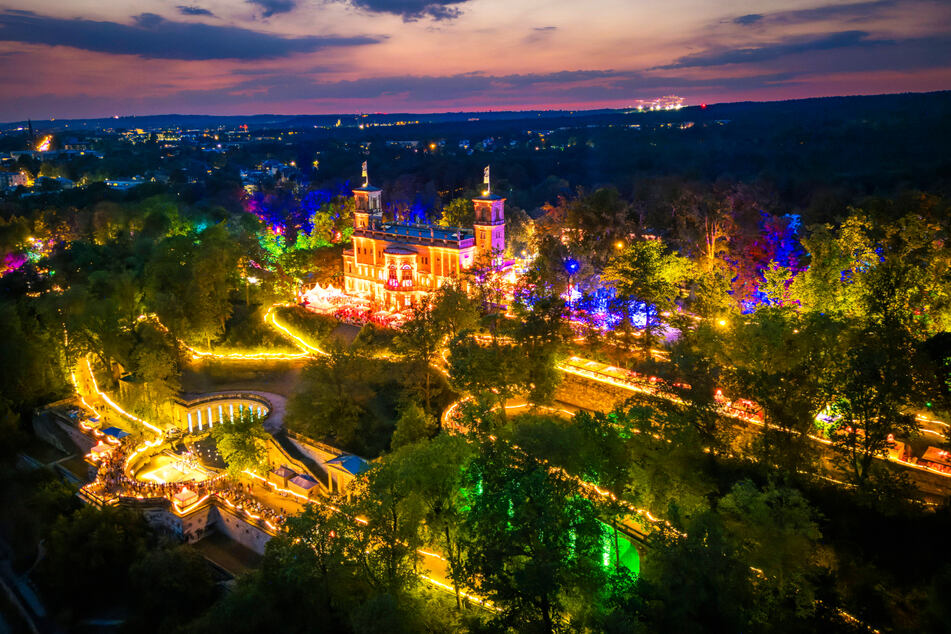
x=668 y=102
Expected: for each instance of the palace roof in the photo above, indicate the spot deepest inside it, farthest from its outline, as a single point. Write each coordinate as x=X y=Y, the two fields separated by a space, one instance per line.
x=414 y=234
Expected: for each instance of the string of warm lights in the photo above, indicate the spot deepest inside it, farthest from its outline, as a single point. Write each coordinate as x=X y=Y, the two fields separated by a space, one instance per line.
x=730 y=413
x=580 y=482
x=444 y=586
x=284 y=329
x=307 y=350
x=179 y=508
x=81 y=397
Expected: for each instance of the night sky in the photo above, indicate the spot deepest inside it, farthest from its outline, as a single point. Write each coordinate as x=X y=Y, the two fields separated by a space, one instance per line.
x=84 y=58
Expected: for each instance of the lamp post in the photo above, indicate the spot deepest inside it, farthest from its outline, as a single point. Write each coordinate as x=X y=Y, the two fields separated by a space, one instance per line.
x=571 y=266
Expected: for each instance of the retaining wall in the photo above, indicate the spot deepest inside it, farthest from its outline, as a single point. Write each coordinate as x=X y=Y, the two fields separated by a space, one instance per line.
x=208 y=517
x=59 y=431
x=580 y=392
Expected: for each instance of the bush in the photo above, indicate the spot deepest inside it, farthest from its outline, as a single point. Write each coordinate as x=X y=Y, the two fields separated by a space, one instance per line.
x=312 y=327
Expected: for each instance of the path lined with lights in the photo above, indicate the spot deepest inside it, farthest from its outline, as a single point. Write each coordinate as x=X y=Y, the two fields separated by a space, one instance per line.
x=306 y=350
x=363 y=522
x=724 y=411
x=648 y=390
x=310 y=351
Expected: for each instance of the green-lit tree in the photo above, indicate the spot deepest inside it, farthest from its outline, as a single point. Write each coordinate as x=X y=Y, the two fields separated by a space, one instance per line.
x=420 y=341
x=413 y=425
x=532 y=543
x=607 y=463
x=435 y=470
x=778 y=358
x=242 y=443
x=646 y=272
x=385 y=497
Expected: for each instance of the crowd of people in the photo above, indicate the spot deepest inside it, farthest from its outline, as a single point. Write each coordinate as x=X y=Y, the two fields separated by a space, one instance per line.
x=360 y=316
x=113 y=481
x=356 y=310
x=241 y=496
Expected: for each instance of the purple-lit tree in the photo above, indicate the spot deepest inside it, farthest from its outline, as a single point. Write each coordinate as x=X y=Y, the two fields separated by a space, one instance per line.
x=775 y=245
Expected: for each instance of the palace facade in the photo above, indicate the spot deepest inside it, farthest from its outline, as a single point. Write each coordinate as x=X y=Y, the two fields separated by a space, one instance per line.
x=397 y=263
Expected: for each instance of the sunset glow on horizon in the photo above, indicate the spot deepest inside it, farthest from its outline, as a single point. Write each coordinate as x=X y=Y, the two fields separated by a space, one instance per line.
x=230 y=57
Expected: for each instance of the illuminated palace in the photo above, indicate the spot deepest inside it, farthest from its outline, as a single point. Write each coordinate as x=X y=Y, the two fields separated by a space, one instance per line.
x=397 y=263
